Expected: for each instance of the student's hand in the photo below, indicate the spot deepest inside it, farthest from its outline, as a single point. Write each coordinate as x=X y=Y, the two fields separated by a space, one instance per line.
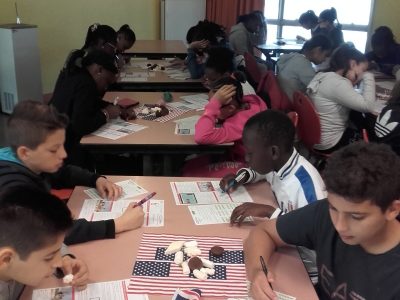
x=114 y=111
x=260 y=289
x=250 y=210
x=132 y=218
x=77 y=268
x=199 y=44
x=225 y=93
x=128 y=114
x=227 y=180
x=177 y=63
x=108 y=189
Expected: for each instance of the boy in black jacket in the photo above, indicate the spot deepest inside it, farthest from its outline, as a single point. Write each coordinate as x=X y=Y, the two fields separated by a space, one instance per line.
x=36 y=136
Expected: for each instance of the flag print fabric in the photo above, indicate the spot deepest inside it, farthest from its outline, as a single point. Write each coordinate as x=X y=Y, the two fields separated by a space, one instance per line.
x=156 y=273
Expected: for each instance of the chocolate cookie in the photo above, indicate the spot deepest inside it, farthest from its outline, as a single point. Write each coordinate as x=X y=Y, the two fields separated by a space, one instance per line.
x=195 y=263
x=217 y=251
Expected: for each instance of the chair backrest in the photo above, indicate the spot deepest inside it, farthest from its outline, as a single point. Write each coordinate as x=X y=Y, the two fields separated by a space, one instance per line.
x=294 y=117
x=269 y=85
x=252 y=68
x=309 y=127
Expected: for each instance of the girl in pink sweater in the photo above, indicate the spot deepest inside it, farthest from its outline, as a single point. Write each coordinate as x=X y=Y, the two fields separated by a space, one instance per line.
x=222 y=122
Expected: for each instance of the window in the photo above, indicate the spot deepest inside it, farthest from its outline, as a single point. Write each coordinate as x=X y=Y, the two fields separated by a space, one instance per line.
x=354 y=15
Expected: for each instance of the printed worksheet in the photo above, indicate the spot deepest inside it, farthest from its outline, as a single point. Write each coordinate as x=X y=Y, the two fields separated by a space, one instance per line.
x=115 y=129
x=186 y=126
x=115 y=290
x=98 y=210
x=206 y=192
x=199 y=100
x=212 y=213
x=130 y=189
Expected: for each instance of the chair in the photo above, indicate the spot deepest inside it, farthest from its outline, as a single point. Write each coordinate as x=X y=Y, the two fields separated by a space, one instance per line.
x=252 y=69
x=62 y=194
x=278 y=99
x=365 y=135
x=309 y=127
x=294 y=117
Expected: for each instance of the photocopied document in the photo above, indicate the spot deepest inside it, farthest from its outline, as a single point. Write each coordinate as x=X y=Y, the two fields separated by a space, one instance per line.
x=206 y=192
x=186 y=126
x=115 y=129
x=212 y=213
x=99 y=209
x=130 y=189
x=115 y=290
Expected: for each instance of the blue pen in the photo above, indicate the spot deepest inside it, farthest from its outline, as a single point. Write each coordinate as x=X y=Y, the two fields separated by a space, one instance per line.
x=235 y=180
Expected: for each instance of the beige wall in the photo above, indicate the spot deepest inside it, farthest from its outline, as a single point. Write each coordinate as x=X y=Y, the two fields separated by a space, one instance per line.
x=63 y=24
x=387 y=12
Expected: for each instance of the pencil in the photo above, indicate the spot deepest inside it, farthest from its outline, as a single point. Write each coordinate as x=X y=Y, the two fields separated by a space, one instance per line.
x=265 y=270
x=145 y=199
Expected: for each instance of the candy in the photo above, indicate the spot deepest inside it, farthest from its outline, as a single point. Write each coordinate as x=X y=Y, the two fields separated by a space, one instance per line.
x=199 y=275
x=217 y=251
x=195 y=263
x=174 y=247
x=68 y=278
x=178 y=258
x=207 y=263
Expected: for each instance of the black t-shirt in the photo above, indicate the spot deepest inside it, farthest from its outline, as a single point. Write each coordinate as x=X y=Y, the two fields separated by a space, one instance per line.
x=387 y=127
x=345 y=272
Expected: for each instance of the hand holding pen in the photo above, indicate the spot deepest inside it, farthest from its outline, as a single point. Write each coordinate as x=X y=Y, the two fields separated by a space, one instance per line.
x=145 y=199
x=230 y=182
x=259 y=288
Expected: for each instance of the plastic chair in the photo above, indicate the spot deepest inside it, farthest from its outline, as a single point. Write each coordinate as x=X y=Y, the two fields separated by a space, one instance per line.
x=278 y=99
x=294 y=117
x=252 y=69
x=309 y=127
x=62 y=194
x=365 y=135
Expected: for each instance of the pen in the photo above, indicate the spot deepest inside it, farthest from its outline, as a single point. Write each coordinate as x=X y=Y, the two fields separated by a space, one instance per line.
x=145 y=199
x=265 y=270
x=235 y=180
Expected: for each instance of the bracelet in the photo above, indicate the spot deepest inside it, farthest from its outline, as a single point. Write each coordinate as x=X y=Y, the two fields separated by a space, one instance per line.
x=276 y=213
x=105 y=112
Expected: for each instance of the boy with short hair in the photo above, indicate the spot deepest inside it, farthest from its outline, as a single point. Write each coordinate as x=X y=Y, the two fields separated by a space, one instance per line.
x=32 y=229
x=268 y=138
x=36 y=135
x=355 y=231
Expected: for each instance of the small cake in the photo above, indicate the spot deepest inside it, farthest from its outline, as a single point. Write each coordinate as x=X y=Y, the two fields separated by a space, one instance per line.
x=195 y=263
x=217 y=251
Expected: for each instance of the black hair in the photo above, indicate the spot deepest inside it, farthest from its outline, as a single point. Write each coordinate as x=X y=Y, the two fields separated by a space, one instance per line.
x=236 y=79
x=364 y=171
x=206 y=30
x=101 y=58
x=395 y=94
x=128 y=33
x=383 y=35
x=317 y=41
x=329 y=15
x=275 y=128
x=340 y=59
x=31 y=122
x=255 y=15
x=308 y=17
x=220 y=59
x=96 y=33
x=31 y=219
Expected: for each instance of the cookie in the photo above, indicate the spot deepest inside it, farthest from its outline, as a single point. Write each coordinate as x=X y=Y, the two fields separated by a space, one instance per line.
x=195 y=263
x=217 y=251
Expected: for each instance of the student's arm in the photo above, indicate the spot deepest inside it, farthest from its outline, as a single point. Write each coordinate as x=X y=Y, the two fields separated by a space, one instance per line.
x=70 y=176
x=84 y=231
x=86 y=115
x=196 y=70
x=306 y=73
x=207 y=133
x=348 y=97
x=266 y=237
x=253 y=175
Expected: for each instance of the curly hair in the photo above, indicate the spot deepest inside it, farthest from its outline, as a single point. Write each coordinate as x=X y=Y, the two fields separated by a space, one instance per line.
x=362 y=172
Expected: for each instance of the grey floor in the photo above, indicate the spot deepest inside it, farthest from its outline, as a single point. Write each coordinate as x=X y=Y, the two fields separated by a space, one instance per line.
x=3 y=122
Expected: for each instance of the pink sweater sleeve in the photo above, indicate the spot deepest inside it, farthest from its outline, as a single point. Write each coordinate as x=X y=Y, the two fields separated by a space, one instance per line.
x=207 y=133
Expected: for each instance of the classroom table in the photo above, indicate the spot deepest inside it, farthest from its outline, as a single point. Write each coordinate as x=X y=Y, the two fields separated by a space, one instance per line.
x=157 y=139
x=156 y=49
x=158 y=81
x=273 y=49
x=114 y=259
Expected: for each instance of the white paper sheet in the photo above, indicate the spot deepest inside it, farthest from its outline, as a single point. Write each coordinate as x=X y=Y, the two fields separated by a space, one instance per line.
x=212 y=213
x=130 y=189
x=98 y=210
x=186 y=126
x=206 y=192
x=115 y=290
x=116 y=129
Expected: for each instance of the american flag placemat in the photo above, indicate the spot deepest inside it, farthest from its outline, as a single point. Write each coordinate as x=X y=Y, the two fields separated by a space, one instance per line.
x=156 y=273
x=173 y=113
